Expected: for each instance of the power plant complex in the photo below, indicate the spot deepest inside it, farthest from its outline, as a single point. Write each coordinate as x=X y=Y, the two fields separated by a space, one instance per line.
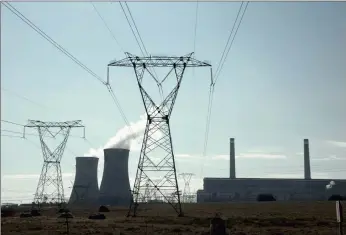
x=115 y=185
x=247 y=189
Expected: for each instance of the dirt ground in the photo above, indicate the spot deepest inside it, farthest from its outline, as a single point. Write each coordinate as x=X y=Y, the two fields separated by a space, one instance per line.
x=274 y=218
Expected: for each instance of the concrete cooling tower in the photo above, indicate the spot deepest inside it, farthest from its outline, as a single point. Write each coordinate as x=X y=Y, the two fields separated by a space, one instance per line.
x=85 y=190
x=115 y=185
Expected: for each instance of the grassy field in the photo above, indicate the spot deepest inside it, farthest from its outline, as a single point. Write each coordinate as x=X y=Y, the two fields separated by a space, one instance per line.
x=274 y=218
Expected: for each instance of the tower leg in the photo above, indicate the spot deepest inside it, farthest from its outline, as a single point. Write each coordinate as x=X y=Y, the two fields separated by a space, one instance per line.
x=164 y=164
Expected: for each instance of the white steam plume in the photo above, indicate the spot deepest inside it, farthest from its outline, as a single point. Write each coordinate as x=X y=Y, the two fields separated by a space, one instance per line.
x=124 y=138
x=330 y=185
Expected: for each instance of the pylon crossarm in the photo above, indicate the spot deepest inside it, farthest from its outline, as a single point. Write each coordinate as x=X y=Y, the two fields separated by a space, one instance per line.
x=158 y=61
x=37 y=123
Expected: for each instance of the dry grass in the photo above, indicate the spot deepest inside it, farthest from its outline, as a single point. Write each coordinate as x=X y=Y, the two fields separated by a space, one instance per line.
x=272 y=218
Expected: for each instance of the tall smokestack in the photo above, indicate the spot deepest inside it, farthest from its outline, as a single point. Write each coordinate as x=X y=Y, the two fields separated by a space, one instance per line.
x=307 y=171
x=115 y=185
x=232 y=159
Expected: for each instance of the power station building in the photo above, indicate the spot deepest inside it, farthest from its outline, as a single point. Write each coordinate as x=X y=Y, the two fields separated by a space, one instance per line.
x=247 y=189
x=85 y=190
x=115 y=186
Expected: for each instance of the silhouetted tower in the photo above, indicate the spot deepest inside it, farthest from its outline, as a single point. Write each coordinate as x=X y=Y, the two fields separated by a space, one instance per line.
x=157 y=157
x=147 y=194
x=187 y=179
x=50 y=186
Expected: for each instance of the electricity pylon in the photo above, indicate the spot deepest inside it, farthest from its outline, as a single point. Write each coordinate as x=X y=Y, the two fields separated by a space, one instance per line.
x=158 y=116
x=187 y=179
x=51 y=170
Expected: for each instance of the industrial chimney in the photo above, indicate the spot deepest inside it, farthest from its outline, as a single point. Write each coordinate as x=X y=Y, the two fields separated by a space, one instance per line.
x=85 y=190
x=115 y=185
x=307 y=171
x=232 y=160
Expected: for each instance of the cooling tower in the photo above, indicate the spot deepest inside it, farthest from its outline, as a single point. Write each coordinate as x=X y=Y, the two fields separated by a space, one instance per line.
x=307 y=171
x=232 y=160
x=115 y=185
x=85 y=190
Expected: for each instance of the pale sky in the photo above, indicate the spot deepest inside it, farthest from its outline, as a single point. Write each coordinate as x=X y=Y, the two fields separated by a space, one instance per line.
x=284 y=80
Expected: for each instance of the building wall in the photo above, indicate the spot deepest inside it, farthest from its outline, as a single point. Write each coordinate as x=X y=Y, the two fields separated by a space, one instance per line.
x=225 y=189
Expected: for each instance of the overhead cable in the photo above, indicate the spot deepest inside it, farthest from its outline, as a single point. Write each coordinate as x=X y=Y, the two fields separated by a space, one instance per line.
x=224 y=56
x=106 y=25
x=58 y=46
x=49 y=39
x=214 y=79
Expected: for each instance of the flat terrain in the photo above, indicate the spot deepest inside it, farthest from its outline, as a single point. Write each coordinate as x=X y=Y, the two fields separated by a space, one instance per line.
x=272 y=218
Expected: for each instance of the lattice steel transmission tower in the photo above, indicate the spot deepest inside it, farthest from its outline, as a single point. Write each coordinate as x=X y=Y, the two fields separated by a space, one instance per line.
x=187 y=179
x=157 y=135
x=51 y=177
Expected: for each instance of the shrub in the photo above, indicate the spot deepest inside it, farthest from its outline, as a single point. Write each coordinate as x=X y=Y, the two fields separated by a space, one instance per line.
x=336 y=197
x=103 y=209
x=265 y=198
x=97 y=217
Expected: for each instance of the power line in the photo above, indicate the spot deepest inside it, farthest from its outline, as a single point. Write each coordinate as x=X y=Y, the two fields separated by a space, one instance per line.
x=133 y=32
x=141 y=45
x=214 y=79
x=14 y=123
x=12 y=136
x=139 y=35
x=105 y=23
x=116 y=101
x=109 y=88
x=230 y=46
x=196 y=20
x=228 y=40
x=22 y=97
x=50 y=40
x=60 y=48
x=17 y=132
x=195 y=36
x=208 y=121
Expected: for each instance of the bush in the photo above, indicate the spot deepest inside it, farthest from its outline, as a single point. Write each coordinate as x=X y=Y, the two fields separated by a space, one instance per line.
x=66 y=215
x=63 y=210
x=97 y=217
x=25 y=215
x=7 y=211
x=336 y=197
x=265 y=198
x=35 y=212
x=103 y=209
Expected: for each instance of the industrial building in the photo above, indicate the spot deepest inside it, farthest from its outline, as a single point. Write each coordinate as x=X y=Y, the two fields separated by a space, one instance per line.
x=115 y=186
x=85 y=190
x=247 y=189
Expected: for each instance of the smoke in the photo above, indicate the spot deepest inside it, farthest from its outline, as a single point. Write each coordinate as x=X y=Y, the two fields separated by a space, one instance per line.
x=330 y=185
x=125 y=137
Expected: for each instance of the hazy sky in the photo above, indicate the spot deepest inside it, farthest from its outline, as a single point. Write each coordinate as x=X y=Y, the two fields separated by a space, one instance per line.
x=284 y=80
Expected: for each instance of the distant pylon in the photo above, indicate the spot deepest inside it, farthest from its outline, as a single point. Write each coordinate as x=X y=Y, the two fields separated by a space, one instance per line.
x=187 y=192
x=51 y=170
x=146 y=196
